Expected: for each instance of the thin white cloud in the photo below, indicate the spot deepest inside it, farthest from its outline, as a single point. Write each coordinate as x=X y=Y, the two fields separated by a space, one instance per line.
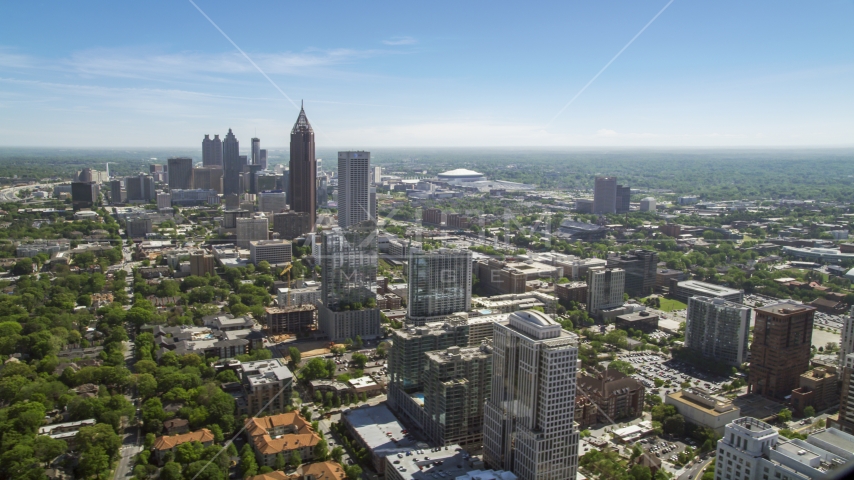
x=604 y=132
x=405 y=40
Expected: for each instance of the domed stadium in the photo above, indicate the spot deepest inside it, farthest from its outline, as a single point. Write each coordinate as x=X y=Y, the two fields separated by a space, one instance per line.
x=461 y=175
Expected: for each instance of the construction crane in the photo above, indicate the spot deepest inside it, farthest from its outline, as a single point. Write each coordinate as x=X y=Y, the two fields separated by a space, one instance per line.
x=287 y=270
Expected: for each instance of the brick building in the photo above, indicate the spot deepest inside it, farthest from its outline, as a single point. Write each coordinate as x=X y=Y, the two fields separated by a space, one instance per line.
x=617 y=395
x=571 y=292
x=780 y=351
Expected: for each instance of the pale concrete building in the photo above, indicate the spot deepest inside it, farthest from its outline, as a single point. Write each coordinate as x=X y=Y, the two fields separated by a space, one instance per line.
x=529 y=425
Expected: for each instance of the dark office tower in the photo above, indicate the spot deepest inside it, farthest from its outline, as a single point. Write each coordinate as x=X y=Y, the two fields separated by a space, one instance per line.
x=322 y=195
x=624 y=198
x=83 y=194
x=780 y=352
x=232 y=165
x=256 y=151
x=262 y=158
x=640 y=267
x=211 y=151
x=302 y=195
x=116 y=192
x=605 y=195
x=251 y=174
x=140 y=188
x=180 y=173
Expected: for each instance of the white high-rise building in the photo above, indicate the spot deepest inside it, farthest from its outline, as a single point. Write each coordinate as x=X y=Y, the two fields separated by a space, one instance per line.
x=529 y=425
x=605 y=287
x=718 y=329
x=354 y=181
x=439 y=283
x=376 y=174
x=249 y=229
x=753 y=450
x=846 y=346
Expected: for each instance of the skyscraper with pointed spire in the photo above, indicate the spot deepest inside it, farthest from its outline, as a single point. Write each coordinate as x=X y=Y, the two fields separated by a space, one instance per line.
x=232 y=165
x=303 y=169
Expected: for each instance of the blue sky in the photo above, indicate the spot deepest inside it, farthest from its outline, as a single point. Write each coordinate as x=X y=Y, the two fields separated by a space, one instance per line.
x=373 y=74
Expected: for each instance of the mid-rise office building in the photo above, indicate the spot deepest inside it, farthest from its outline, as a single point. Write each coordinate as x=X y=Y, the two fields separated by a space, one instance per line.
x=84 y=194
x=647 y=205
x=290 y=225
x=208 y=178
x=302 y=195
x=376 y=174
x=202 y=263
x=232 y=165
x=251 y=229
x=275 y=201
x=529 y=425
x=845 y=421
x=138 y=227
x=605 y=288
x=274 y=252
x=817 y=388
x=718 y=329
x=439 y=283
x=640 y=268
x=354 y=181
x=780 y=352
x=164 y=200
x=457 y=381
x=212 y=151
x=349 y=271
x=180 y=173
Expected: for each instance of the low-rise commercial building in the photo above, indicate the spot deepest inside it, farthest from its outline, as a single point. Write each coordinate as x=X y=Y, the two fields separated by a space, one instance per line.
x=377 y=430
x=616 y=394
x=685 y=289
x=643 y=321
x=699 y=407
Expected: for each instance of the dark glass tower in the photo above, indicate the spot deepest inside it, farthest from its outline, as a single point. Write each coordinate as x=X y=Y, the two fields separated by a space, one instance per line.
x=302 y=195
x=232 y=165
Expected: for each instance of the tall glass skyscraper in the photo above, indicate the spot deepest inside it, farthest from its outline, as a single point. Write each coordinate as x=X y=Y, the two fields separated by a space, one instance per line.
x=439 y=283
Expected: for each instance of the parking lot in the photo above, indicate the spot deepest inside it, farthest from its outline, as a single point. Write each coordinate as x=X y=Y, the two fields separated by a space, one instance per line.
x=650 y=366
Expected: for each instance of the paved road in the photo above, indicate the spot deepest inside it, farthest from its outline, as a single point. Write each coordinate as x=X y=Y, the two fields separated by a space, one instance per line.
x=131 y=445
x=696 y=471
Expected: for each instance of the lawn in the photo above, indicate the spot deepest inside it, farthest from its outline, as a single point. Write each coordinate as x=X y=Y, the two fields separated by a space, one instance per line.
x=669 y=305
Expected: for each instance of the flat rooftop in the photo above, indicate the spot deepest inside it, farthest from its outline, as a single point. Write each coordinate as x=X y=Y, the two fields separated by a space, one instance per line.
x=443 y=462
x=379 y=429
x=679 y=398
x=709 y=289
x=785 y=308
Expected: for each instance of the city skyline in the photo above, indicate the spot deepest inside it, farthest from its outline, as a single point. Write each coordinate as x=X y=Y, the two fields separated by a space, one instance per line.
x=698 y=75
